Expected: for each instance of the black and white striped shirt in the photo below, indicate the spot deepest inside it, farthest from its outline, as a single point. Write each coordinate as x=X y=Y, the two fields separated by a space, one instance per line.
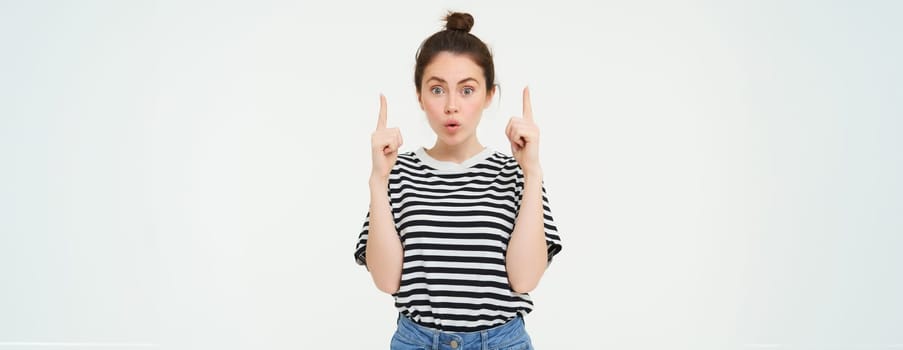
x=454 y=221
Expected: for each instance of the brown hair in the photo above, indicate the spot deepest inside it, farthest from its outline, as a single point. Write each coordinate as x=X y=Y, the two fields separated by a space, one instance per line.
x=455 y=38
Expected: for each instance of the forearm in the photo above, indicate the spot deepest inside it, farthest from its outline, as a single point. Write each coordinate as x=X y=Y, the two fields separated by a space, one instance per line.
x=527 y=257
x=384 y=250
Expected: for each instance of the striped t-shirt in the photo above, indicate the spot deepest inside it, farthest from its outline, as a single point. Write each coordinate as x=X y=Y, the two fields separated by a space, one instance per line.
x=454 y=221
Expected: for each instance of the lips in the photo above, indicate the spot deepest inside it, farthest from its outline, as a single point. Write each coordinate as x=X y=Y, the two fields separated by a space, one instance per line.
x=452 y=125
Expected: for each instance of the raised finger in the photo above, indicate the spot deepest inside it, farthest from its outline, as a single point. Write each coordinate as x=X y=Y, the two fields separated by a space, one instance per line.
x=528 y=106
x=381 y=122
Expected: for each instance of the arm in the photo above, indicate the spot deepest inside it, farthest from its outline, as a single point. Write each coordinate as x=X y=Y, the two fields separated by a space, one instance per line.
x=527 y=256
x=384 y=251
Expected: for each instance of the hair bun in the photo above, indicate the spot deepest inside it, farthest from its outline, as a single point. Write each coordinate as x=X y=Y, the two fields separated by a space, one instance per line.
x=459 y=21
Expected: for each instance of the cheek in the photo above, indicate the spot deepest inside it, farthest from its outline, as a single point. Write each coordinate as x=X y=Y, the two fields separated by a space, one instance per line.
x=436 y=103
x=434 y=109
x=474 y=106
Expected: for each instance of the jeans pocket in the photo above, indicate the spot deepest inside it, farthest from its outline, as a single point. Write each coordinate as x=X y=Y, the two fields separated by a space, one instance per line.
x=400 y=342
x=518 y=342
x=524 y=345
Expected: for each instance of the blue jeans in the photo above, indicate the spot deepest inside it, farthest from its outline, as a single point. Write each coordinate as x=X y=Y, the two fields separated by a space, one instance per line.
x=509 y=336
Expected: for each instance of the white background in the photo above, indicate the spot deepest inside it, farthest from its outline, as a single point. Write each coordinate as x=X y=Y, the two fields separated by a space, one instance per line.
x=193 y=175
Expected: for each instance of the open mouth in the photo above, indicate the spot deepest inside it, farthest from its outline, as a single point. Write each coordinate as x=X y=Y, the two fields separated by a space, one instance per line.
x=452 y=125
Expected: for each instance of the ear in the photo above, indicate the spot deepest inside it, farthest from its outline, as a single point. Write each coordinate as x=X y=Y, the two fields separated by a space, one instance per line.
x=420 y=101
x=489 y=97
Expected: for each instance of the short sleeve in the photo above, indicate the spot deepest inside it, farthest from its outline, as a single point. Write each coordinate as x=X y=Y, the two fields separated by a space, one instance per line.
x=553 y=240
x=360 y=249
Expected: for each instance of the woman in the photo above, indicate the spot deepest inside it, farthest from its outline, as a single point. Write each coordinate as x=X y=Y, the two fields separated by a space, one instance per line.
x=457 y=233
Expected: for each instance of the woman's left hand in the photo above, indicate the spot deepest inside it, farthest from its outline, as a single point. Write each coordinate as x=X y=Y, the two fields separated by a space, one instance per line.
x=523 y=134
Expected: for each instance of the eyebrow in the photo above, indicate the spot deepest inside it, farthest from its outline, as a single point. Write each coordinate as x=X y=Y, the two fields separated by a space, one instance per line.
x=443 y=80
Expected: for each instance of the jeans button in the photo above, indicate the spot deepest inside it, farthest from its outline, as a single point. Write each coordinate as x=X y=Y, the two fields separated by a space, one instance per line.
x=454 y=344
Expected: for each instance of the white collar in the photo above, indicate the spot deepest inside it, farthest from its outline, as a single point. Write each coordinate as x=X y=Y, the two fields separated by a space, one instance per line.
x=449 y=165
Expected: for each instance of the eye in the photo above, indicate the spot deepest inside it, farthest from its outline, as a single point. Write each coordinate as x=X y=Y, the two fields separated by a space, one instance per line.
x=437 y=90
x=467 y=91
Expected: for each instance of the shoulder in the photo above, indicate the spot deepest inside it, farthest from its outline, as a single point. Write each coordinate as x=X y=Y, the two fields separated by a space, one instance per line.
x=505 y=162
x=408 y=162
x=408 y=156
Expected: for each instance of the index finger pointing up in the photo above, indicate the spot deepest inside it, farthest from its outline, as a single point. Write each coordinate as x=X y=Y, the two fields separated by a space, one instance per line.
x=528 y=106
x=381 y=122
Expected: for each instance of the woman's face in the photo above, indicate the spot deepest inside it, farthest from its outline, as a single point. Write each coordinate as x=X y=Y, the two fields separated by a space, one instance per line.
x=453 y=95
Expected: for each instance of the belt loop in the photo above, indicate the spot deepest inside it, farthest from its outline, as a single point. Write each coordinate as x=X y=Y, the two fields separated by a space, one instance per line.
x=435 y=339
x=485 y=336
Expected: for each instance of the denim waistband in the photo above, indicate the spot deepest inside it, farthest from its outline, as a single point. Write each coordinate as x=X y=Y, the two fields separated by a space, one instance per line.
x=508 y=334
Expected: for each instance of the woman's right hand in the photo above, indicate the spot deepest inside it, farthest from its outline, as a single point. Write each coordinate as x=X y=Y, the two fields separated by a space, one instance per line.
x=384 y=144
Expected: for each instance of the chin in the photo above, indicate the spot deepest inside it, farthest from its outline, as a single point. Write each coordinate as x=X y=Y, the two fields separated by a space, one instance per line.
x=449 y=141
x=453 y=140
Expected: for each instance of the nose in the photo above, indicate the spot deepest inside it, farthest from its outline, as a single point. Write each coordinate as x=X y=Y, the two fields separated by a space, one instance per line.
x=451 y=106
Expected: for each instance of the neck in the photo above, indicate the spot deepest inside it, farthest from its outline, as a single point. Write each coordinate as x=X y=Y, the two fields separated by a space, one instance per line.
x=455 y=153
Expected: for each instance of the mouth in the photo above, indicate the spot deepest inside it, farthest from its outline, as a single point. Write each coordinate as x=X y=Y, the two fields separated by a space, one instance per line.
x=452 y=125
